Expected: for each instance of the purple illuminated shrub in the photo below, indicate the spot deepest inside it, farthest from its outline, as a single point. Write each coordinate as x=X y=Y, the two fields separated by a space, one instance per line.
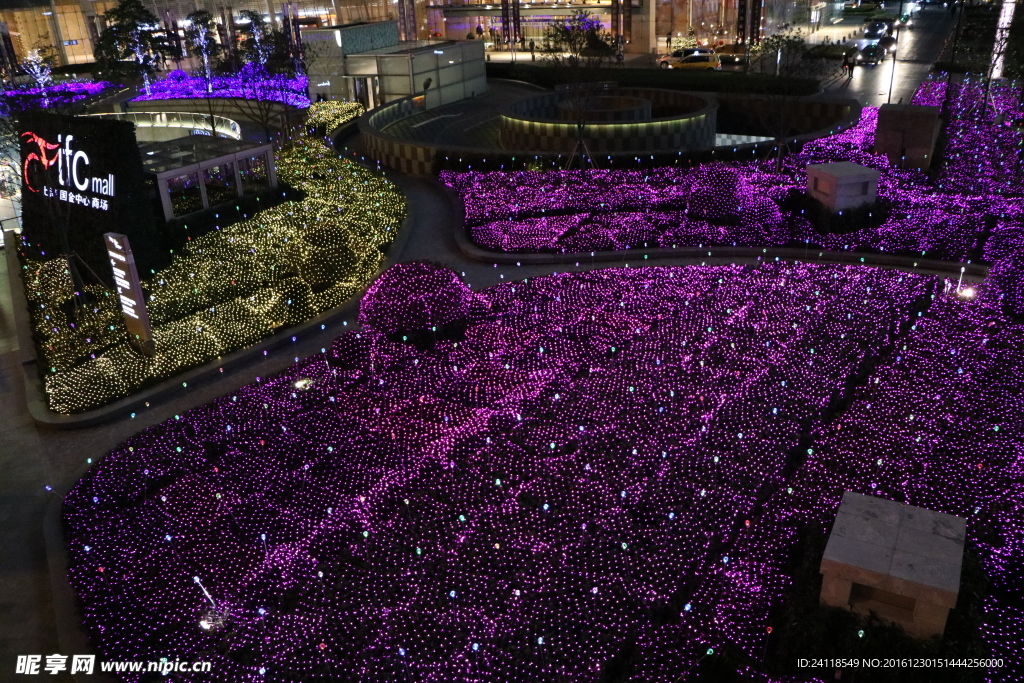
x=714 y=191
x=570 y=481
x=981 y=156
x=415 y=297
x=971 y=213
x=253 y=83
x=1007 y=279
x=763 y=223
x=56 y=95
x=580 y=211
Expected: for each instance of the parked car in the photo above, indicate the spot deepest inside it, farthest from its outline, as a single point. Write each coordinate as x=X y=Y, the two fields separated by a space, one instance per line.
x=697 y=60
x=679 y=55
x=870 y=54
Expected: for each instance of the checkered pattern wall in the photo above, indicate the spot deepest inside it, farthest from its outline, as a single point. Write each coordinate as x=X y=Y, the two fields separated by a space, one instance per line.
x=401 y=156
x=803 y=116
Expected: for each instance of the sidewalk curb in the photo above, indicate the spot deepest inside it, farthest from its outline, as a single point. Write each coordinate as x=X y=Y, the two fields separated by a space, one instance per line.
x=972 y=272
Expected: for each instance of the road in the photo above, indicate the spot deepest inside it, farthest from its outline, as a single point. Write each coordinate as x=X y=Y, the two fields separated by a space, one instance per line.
x=917 y=50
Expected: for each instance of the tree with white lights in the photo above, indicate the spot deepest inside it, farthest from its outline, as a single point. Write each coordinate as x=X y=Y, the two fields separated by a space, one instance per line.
x=39 y=69
x=201 y=38
x=132 y=35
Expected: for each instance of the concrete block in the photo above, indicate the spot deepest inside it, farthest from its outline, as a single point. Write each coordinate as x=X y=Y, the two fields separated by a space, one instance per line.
x=835 y=591
x=906 y=134
x=928 y=620
x=842 y=185
x=898 y=561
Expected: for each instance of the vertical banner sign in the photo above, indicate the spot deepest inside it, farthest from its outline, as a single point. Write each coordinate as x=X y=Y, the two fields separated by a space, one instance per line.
x=129 y=292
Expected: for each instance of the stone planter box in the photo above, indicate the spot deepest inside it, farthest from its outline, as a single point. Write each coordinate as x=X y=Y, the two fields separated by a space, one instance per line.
x=899 y=561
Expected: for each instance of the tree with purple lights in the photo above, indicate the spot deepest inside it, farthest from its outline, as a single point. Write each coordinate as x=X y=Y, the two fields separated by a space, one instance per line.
x=262 y=98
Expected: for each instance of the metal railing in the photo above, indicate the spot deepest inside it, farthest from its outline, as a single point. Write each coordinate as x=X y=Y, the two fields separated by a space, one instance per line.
x=200 y=124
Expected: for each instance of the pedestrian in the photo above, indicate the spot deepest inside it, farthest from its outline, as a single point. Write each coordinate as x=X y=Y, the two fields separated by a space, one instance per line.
x=853 y=63
x=668 y=41
x=533 y=46
x=846 y=65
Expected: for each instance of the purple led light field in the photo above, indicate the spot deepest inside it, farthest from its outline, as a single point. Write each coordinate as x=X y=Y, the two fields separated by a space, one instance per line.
x=507 y=485
x=56 y=95
x=250 y=85
x=971 y=213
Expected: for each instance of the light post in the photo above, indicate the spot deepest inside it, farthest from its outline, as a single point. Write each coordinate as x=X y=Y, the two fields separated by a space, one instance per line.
x=892 y=75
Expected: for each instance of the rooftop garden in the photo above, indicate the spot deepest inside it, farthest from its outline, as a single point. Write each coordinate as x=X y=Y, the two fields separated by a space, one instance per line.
x=251 y=83
x=224 y=290
x=54 y=95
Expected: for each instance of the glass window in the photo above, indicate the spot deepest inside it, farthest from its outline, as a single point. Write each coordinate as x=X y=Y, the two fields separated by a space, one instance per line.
x=254 y=175
x=220 y=183
x=185 y=196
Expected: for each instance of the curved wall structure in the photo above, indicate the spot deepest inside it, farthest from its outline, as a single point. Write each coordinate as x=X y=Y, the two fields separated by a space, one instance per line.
x=678 y=121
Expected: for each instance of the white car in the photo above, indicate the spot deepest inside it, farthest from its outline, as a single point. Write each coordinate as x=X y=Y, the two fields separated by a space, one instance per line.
x=679 y=55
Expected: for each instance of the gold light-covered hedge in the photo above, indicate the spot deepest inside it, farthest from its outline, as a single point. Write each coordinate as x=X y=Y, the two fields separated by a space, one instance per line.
x=225 y=290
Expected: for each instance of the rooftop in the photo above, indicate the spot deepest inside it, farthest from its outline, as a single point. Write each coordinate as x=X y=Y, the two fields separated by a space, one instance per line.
x=845 y=169
x=167 y=155
x=901 y=541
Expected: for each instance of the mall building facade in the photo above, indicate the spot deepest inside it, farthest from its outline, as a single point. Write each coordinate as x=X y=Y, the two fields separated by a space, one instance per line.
x=71 y=27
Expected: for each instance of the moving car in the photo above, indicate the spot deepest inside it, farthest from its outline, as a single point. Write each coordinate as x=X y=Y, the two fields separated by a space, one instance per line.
x=888 y=44
x=906 y=21
x=697 y=60
x=870 y=54
x=732 y=54
x=875 y=29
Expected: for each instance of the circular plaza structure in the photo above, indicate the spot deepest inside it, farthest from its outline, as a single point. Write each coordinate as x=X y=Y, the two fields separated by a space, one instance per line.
x=614 y=120
x=513 y=122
